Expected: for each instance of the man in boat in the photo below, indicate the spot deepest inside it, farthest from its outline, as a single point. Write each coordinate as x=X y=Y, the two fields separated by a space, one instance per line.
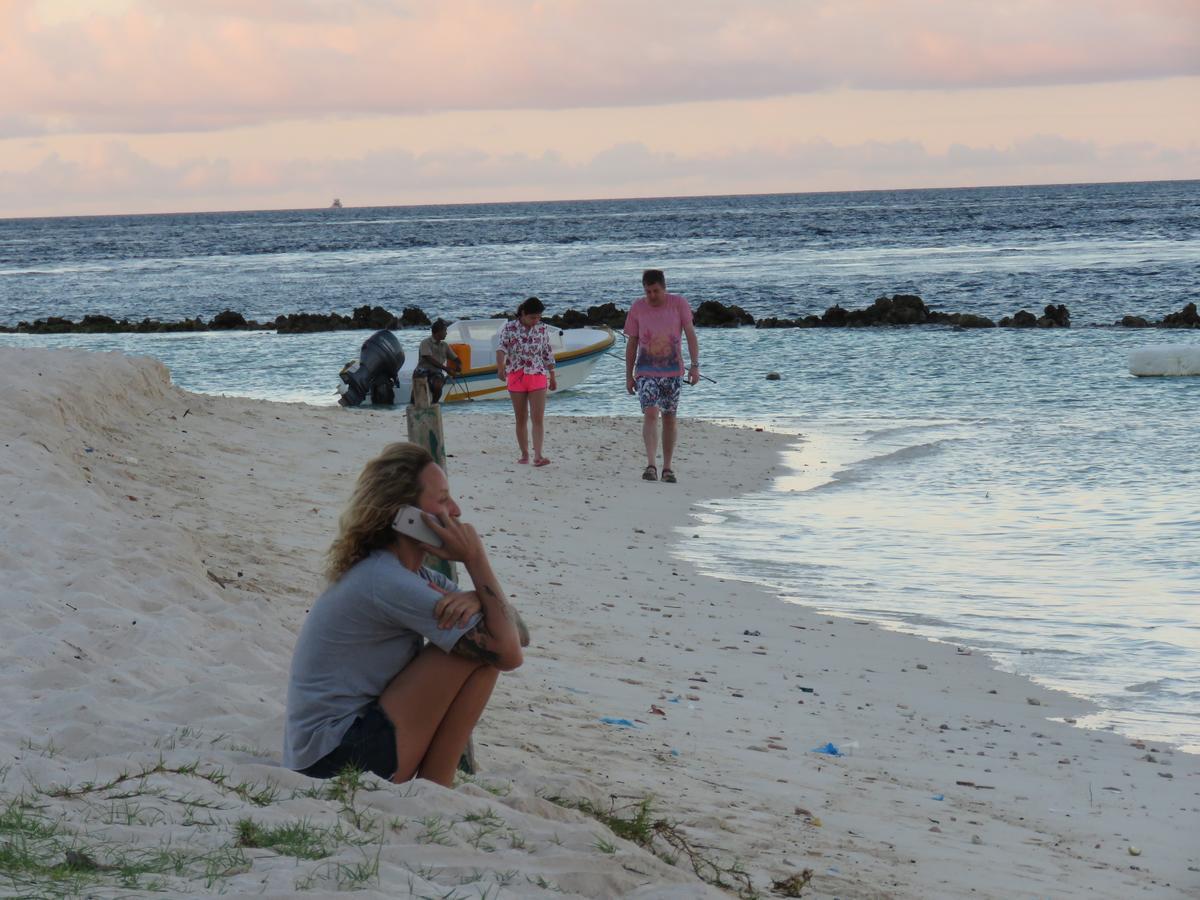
x=654 y=365
x=436 y=361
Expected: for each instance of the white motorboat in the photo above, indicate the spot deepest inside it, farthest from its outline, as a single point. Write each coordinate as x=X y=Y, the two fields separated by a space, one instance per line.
x=576 y=352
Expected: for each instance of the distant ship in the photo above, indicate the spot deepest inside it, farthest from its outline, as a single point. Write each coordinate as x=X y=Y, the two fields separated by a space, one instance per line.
x=336 y=204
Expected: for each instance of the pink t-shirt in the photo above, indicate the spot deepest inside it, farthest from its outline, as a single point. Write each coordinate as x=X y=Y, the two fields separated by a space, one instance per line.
x=658 y=331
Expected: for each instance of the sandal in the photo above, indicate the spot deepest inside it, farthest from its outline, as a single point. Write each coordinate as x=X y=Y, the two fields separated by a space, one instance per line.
x=541 y=461
x=650 y=474
x=668 y=476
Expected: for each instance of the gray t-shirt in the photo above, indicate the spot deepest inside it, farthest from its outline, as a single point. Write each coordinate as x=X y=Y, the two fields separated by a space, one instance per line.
x=366 y=627
x=440 y=351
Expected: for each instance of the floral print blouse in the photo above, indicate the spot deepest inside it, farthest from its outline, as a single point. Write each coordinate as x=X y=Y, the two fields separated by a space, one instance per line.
x=526 y=349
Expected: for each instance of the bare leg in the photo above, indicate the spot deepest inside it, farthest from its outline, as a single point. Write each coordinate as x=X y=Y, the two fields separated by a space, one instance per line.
x=650 y=433
x=441 y=759
x=537 y=412
x=669 y=434
x=520 y=402
x=433 y=703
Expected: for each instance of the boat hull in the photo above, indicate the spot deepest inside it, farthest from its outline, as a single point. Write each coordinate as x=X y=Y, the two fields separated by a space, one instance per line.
x=571 y=365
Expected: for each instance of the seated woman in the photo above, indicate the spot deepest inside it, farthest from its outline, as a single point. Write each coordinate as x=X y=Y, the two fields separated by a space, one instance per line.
x=366 y=690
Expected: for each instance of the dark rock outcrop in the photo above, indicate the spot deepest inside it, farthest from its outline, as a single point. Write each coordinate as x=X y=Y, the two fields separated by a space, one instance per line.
x=49 y=325
x=376 y=317
x=969 y=320
x=411 y=317
x=714 y=314
x=773 y=322
x=604 y=314
x=1052 y=317
x=93 y=324
x=572 y=318
x=228 y=319
x=835 y=317
x=1021 y=319
x=1133 y=322
x=607 y=314
x=1185 y=318
x=900 y=309
x=373 y=318
x=306 y=323
x=1055 y=317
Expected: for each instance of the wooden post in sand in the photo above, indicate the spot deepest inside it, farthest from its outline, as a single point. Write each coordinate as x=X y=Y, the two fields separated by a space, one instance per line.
x=425 y=428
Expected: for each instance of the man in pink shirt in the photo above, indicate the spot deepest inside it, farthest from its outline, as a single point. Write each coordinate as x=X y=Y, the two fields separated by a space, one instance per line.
x=654 y=364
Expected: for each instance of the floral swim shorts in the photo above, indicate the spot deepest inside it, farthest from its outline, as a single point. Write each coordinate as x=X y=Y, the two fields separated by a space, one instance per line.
x=660 y=392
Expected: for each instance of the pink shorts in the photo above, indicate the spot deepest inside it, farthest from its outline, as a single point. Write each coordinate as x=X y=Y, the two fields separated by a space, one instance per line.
x=523 y=383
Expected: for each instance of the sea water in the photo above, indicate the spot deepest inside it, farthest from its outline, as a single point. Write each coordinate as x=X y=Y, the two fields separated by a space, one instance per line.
x=1016 y=492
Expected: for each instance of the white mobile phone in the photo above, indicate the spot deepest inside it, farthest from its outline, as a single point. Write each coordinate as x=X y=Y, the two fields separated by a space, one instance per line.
x=409 y=522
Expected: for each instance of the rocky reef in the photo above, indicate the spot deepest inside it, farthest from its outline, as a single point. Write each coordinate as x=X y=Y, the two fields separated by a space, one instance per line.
x=364 y=317
x=897 y=310
x=1185 y=318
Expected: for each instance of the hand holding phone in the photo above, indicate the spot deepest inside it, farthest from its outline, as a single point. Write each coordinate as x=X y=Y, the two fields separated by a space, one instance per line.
x=448 y=537
x=410 y=521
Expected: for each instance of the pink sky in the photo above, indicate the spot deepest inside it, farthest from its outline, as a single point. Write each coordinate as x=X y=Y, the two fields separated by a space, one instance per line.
x=155 y=105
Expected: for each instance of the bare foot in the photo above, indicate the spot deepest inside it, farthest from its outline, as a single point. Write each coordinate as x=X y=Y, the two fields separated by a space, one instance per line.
x=541 y=461
x=524 y=460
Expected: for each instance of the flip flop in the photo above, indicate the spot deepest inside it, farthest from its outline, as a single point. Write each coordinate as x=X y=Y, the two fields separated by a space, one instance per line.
x=541 y=461
x=650 y=474
x=668 y=476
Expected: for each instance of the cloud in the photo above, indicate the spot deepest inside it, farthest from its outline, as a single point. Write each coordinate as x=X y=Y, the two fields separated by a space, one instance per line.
x=1040 y=150
x=116 y=178
x=159 y=65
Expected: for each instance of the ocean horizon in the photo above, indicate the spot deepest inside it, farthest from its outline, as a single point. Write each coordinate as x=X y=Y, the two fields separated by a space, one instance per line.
x=605 y=199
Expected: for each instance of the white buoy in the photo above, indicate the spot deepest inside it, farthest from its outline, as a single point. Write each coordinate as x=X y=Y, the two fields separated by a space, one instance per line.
x=1165 y=359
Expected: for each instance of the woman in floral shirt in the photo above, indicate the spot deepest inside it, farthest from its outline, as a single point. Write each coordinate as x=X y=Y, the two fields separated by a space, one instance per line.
x=525 y=362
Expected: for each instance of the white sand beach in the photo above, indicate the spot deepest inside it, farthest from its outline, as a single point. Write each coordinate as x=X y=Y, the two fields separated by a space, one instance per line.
x=159 y=550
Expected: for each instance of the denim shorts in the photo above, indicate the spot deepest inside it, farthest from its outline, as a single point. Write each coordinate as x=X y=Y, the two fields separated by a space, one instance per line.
x=369 y=744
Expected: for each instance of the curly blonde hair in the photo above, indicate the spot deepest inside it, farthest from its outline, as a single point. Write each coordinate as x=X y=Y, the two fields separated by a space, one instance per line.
x=388 y=482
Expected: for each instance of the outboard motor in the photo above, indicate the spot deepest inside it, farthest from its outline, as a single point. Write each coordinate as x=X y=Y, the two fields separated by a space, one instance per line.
x=374 y=372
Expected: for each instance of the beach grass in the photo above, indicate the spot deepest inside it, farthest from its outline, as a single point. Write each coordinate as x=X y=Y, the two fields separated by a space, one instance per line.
x=67 y=840
x=636 y=822
x=300 y=839
x=41 y=857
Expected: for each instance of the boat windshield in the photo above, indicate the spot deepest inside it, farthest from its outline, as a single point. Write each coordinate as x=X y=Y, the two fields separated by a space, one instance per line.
x=486 y=333
x=475 y=331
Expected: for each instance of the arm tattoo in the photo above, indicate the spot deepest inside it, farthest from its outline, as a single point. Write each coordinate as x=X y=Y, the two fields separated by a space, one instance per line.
x=512 y=615
x=472 y=646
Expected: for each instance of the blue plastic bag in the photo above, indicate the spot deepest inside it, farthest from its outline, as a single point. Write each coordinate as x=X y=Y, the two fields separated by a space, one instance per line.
x=829 y=749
